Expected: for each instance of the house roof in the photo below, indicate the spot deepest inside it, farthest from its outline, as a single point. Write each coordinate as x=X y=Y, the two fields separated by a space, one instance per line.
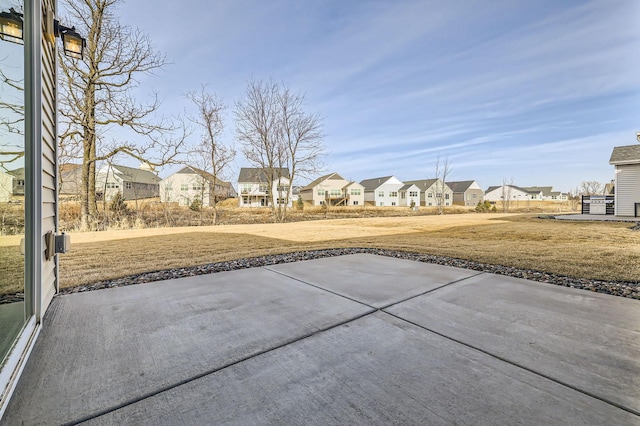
x=332 y=176
x=522 y=189
x=208 y=176
x=423 y=184
x=255 y=174
x=625 y=155
x=135 y=175
x=407 y=186
x=460 y=186
x=372 y=184
x=352 y=183
x=547 y=191
x=69 y=167
x=17 y=173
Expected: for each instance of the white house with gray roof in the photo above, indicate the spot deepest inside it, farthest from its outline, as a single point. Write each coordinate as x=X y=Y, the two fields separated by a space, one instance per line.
x=409 y=195
x=382 y=191
x=191 y=183
x=626 y=160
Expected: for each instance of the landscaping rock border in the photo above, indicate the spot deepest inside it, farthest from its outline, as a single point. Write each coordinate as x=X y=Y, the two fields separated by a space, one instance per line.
x=617 y=288
x=630 y=289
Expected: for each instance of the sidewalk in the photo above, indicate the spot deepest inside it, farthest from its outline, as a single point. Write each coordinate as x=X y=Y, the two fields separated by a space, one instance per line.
x=357 y=339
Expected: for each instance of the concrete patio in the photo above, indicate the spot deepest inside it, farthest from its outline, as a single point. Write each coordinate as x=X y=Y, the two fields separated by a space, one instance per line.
x=358 y=339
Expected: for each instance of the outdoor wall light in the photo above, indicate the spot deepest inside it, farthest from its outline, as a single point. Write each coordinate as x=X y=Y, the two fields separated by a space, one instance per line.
x=72 y=43
x=11 y=26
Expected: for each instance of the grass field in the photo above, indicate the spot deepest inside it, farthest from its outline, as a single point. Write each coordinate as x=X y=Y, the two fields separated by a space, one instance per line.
x=596 y=250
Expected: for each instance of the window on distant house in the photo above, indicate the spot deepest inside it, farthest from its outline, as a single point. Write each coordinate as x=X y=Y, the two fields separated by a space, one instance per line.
x=336 y=192
x=381 y=194
x=355 y=191
x=184 y=187
x=283 y=188
x=393 y=194
x=128 y=185
x=403 y=195
x=112 y=185
x=430 y=195
x=393 y=203
x=281 y=201
x=355 y=202
x=381 y=203
x=320 y=191
x=446 y=196
x=196 y=187
x=413 y=193
x=245 y=188
x=474 y=195
x=263 y=187
x=20 y=182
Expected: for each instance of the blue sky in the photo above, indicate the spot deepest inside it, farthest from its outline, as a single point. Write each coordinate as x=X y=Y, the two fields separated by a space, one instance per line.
x=540 y=91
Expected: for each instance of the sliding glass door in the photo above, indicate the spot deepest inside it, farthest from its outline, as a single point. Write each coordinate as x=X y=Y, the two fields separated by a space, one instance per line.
x=13 y=311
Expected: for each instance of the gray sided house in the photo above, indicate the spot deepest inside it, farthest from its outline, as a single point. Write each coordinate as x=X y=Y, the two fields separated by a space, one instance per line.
x=255 y=186
x=134 y=184
x=191 y=183
x=466 y=192
x=431 y=190
x=626 y=160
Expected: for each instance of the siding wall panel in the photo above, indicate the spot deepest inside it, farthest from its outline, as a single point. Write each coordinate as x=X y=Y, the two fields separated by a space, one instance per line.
x=627 y=189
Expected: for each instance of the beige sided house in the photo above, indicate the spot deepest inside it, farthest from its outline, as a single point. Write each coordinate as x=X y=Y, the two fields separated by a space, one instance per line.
x=70 y=182
x=190 y=183
x=254 y=187
x=466 y=192
x=334 y=190
x=133 y=184
x=626 y=160
x=431 y=190
x=6 y=187
x=18 y=181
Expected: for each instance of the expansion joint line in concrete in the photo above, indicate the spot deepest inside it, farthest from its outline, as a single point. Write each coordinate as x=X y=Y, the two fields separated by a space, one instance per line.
x=515 y=364
x=213 y=371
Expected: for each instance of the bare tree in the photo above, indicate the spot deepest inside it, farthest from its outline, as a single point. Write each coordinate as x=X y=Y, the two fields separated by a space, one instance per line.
x=279 y=137
x=591 y=187
x=96 y=95
x=216 y=157
x=443 y=170
x=11 y=120
x=507 y=187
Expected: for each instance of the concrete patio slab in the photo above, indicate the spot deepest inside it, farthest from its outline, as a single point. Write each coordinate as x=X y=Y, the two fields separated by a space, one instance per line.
x=586 y=340
x=377 y=281
x=103 y=348
x=375 y=370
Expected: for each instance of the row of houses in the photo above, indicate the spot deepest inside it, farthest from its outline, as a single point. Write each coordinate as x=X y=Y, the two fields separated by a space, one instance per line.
x=333 y=189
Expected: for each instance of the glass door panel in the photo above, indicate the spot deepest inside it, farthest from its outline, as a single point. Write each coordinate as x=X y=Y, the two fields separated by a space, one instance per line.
x=12 y=185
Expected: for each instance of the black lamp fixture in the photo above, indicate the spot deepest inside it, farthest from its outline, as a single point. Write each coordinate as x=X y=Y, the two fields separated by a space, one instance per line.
x=73 y=44
x=11 y=26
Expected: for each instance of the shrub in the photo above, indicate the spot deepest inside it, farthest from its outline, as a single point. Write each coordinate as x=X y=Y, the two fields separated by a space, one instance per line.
x=196 y=205
x=299 y=203
x=484 y=207
x=118 y=205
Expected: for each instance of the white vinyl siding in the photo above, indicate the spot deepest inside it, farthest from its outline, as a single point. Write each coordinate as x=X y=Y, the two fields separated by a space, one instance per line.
x=627 y=189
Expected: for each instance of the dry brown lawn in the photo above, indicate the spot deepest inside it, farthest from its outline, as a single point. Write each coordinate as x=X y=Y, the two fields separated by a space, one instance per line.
x=596 y=250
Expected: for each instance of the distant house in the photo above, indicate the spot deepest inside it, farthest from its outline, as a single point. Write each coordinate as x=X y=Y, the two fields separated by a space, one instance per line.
x=511 y=193
x=466 y=192
x=133 y=184
x=191 y=183
x=333 y=189
x=431 y=190
x=255 y=186
x=382 y=191
x=548 y=194
x=18 y=181
x=70 y=179
x=409 y=195
x=6 y=187
x=626 y=160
